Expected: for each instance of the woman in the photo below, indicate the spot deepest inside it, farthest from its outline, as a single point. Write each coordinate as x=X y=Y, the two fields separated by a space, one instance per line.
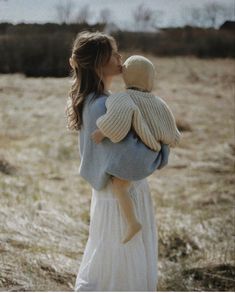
x=107 y=264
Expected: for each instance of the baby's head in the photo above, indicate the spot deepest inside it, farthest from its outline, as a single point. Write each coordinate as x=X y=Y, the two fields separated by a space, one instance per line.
x=138 y=72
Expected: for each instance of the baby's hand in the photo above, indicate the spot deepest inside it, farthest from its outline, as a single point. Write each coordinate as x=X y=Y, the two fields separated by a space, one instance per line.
x=97 y=136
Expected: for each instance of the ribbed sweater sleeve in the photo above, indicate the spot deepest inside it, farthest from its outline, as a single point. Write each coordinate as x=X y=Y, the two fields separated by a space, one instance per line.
x=116 y=122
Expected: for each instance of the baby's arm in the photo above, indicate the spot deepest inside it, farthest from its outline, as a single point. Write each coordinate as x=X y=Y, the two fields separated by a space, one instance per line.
x=116 y=122
x=97 y=136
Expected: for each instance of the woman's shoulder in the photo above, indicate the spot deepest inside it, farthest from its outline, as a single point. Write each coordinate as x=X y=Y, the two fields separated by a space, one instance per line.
x=96 y=104
x=94 y=100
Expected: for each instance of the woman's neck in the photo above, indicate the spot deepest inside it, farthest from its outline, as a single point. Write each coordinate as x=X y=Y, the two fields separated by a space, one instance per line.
x=107 y=82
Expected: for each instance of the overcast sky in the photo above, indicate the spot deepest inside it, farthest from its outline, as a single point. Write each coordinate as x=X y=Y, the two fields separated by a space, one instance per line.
x=41 y=11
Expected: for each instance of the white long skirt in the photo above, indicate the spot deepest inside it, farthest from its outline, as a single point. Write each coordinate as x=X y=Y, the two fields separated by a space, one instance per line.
x=109 y=265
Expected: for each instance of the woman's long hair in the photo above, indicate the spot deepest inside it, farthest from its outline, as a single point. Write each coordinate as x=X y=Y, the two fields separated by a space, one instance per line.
x=91 y=51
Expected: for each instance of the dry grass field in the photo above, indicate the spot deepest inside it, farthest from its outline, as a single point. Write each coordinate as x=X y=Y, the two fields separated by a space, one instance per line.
x=44 y=204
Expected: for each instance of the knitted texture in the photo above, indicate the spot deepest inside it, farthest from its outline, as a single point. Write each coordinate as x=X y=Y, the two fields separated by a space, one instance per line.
x=149 y=115
x=138 y=71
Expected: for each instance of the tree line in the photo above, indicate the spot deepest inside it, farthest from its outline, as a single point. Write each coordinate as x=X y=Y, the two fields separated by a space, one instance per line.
x=44 y=49
x=145 y=18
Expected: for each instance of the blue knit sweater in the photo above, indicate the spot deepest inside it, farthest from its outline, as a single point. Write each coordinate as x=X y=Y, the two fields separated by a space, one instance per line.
x=128 y=159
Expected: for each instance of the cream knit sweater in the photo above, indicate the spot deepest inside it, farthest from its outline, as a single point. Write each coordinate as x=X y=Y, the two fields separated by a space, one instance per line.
x=149 y=115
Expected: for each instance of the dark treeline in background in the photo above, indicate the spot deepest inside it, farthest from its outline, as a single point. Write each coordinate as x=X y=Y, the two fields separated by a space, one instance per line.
x=44 y=49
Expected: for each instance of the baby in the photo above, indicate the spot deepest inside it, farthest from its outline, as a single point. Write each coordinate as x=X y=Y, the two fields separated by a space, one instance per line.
x=148 y=115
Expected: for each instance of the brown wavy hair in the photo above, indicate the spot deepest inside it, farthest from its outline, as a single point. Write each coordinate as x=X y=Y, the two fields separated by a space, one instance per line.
x=90 y=51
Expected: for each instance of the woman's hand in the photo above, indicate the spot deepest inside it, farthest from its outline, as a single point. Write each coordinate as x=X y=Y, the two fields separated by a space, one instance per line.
x=97 y=136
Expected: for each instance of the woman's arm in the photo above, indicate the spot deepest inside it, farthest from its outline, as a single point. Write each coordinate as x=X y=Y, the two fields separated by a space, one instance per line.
x=128 y=159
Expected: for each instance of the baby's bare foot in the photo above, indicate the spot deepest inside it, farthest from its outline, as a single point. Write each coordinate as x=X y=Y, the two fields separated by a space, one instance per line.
x=131 y=231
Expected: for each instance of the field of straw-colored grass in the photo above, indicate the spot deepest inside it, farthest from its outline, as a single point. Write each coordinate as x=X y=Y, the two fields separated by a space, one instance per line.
x=44 y=204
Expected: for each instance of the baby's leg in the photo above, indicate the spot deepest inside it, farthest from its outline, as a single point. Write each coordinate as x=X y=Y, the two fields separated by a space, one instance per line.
x=120 y=188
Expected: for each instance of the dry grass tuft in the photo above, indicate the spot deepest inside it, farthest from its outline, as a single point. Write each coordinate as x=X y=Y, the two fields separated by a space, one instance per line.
x=177 y=247
x=212 y=278
x=6 y=167
x=59 y=277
